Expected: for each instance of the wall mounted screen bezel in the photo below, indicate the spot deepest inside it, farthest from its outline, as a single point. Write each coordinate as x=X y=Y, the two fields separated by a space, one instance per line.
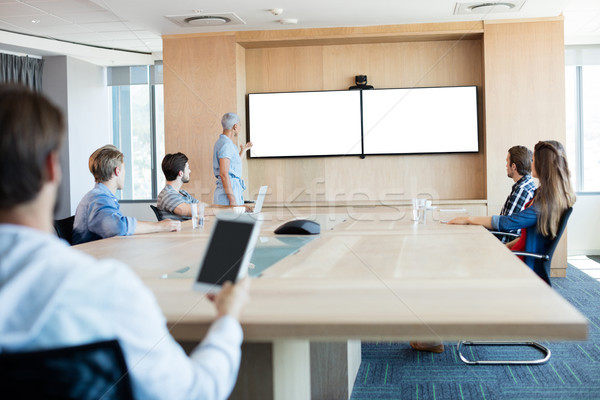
x=402 y=121
x=304 y=124
x=432 y=120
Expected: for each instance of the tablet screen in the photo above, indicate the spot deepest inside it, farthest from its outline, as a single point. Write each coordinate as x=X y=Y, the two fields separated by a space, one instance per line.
x=225 y=252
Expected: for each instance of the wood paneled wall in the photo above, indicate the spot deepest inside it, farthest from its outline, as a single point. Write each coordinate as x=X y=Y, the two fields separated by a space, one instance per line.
x=524 y=99
x=200 y=85
x=518 y=67
x=376 y=178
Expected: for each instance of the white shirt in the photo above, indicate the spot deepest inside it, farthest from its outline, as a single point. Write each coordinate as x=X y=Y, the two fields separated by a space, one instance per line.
x=54 y=296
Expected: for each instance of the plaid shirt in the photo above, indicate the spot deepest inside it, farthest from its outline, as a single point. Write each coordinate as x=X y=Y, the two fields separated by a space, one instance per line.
x=522 y=191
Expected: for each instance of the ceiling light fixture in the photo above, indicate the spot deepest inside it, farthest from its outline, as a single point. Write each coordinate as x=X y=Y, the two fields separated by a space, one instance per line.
x=484 y=7
x=207 y=20
x=35 y=21
x=488 y=7
x=288 y=21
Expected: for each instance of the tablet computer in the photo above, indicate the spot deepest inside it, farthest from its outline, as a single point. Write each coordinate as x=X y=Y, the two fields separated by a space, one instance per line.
x=228 y=252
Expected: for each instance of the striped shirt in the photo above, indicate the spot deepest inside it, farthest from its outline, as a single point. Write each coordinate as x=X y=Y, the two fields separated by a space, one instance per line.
x=169 y=199
x=522 y=191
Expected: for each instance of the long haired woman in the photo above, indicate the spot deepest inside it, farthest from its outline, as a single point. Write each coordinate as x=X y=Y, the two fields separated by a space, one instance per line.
x=540 y=220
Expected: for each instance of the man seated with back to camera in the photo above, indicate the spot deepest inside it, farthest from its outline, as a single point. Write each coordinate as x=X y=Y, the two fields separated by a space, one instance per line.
x=56 y=296
x=98 y=214
x=174 y=202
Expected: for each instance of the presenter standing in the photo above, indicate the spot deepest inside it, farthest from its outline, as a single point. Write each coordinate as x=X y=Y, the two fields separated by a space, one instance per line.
x=227 y=163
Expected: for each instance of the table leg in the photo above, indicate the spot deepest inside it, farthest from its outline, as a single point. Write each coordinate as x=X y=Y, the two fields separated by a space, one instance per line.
x=298 y=370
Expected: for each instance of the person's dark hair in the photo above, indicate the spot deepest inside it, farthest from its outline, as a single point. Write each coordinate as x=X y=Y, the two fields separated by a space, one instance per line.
x=555 y=193
x=30 y=129
x=521 y=157
x=172 y=164
x=103 y=161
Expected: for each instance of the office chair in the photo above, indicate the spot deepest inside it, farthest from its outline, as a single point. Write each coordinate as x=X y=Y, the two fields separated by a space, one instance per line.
x=86 y=372
x=157 y=212
x=542 y=268
x=64 y=228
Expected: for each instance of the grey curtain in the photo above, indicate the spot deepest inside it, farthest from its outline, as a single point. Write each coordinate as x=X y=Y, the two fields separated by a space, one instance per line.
x=21 y=70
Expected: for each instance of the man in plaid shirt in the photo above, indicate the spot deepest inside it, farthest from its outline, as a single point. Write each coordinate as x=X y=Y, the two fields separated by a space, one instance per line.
x=518 y=167
x=174 y=202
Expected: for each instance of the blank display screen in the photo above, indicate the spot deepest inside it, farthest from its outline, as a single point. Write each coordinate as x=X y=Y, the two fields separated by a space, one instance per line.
x=420 y=120
x=225 y=252
x=304 y=124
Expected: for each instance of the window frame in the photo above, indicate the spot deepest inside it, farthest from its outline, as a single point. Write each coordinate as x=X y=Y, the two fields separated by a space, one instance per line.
x=579 y=164
x=123 y=76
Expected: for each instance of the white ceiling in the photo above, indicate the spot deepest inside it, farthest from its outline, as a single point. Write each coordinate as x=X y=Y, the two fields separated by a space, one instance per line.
x=137 y=25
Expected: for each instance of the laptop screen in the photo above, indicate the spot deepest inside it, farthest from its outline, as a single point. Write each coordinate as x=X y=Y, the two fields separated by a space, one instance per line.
x=260 y=199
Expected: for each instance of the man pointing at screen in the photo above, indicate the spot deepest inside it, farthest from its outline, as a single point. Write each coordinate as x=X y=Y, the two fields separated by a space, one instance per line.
x=227 y=163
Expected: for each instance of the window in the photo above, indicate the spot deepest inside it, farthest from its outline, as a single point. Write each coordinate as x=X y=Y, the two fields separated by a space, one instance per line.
x=582 y=90
x=138 y=127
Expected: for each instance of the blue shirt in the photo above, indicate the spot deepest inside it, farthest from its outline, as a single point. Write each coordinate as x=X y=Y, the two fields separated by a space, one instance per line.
x=98 y=216
x=224 y=148
x=53 y=295
x=535 y=242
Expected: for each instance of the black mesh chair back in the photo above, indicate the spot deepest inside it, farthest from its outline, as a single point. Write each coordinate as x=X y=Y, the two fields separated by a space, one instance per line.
x=92 y=371
x=543 y=261
x=157 y=212
x=64 y=228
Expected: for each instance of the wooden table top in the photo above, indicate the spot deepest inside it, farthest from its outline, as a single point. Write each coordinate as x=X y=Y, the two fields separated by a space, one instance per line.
x=365 y=278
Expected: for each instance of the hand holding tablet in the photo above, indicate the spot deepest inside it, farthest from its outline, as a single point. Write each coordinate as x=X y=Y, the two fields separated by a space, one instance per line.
x=228 y=252
x=232 y=298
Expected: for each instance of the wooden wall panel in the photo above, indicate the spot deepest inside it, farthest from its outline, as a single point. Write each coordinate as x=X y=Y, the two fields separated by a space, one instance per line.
x=525 y=99
x=376 y=178
x=200 y=80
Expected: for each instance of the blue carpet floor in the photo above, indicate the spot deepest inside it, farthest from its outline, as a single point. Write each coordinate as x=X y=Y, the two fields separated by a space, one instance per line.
x=395 y=371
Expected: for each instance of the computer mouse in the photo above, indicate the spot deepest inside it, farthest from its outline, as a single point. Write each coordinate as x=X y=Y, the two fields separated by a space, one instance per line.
x=299 y=227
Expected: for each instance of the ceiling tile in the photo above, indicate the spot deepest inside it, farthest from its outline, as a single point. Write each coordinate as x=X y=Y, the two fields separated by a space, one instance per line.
x=123 y=35
x=25 y=22
x=87 y=37
x=62 y=7
x=577 y=5
x=146 y=35
x=91 y=17
x=120 y=44
x=66 y=29
x=106 y=27
x=13 y=9
x=575 y=21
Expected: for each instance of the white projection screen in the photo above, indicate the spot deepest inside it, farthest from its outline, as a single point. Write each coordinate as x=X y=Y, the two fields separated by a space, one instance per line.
x=420 y=120
x=304 y=124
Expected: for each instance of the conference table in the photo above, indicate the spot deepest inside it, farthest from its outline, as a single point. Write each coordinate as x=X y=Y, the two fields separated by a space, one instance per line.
x=369 y=275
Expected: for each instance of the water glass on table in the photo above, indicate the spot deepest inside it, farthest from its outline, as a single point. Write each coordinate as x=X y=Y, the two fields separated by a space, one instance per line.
x=197 y=215
x=419 y=206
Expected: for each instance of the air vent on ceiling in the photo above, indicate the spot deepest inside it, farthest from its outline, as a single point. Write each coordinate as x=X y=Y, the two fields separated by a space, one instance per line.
x=488 y=7
x=201 y=20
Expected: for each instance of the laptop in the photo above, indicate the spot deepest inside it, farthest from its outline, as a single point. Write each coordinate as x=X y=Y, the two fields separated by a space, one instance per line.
x=260 y=199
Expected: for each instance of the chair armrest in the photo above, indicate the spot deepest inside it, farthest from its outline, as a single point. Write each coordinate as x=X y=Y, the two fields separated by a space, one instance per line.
x=534 y=255
x=512 y=235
